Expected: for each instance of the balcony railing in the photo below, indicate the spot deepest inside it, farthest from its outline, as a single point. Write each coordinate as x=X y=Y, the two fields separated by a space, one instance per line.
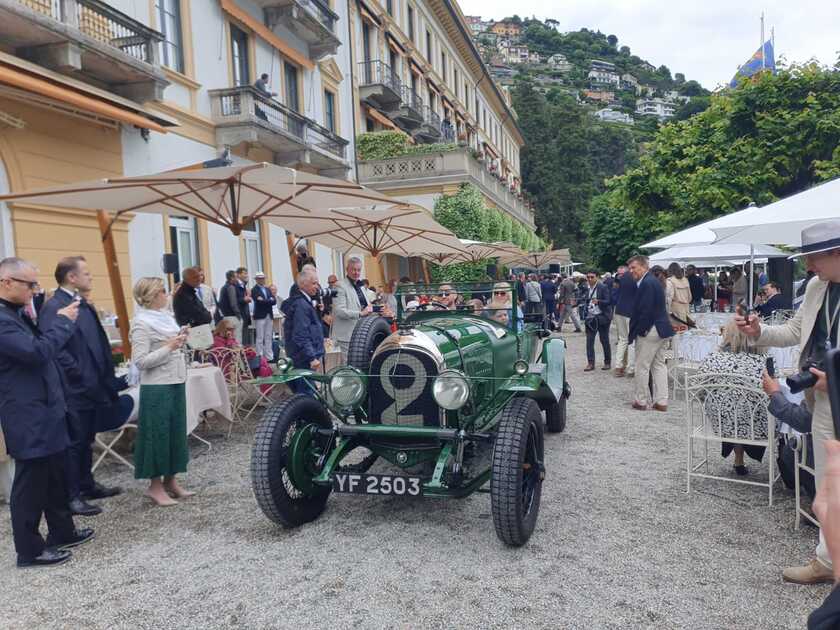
x=379 y=73
x=103 y=23
x=321 y=11
x=454 y=166
x=431 y=118
x=244 y=105
x=411 y=99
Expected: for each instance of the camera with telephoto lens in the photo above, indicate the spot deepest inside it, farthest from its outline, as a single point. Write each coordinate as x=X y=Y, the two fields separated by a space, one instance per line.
x=324 y=292
x=805 y=378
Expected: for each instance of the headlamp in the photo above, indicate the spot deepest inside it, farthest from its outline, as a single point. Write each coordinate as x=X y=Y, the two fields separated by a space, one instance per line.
x=347 y=387
x=451 y=390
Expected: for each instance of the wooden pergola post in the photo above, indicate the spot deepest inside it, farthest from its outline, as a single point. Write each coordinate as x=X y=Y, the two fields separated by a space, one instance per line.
x=113 y=265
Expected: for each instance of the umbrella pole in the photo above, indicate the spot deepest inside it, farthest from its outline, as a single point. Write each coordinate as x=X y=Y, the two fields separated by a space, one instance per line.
x=717 y=279
x=113 y=266
x=752 y=266
x=290 y=243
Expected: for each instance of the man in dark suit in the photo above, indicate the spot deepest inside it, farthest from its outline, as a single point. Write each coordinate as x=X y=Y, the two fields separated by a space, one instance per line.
x=188 y=307
x=243 y=300
x=597 y=320
x=33 y=415
x=89 y=378
x=264 y=298
x=771 y=300
x=650 y=327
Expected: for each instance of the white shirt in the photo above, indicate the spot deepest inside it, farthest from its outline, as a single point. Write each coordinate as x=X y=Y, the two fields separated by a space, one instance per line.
x=642 y=278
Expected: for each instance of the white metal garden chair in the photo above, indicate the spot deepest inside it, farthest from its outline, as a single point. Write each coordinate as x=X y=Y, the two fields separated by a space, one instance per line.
x=727 y=408
x=801 y=458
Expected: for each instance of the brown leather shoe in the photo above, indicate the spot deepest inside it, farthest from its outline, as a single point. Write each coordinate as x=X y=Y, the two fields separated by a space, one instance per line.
x=619 y=372
x=589 y=368
x=639 y=406
x=815 y=572
x=659 y=407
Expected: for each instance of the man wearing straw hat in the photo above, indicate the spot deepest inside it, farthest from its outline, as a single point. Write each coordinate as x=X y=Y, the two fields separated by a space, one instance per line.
x=815 y=329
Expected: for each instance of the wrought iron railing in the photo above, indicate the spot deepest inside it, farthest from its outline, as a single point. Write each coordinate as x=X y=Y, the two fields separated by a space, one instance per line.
x=377 y=72
x=98 y=20
x=411 y=99
x=323 y=12
x=431 y=118
x=245 y=104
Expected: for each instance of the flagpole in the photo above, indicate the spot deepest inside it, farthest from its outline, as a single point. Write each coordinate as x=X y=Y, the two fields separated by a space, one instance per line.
x=761 y=45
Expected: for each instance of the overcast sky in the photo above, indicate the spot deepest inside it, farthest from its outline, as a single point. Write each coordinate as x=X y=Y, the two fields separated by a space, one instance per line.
x=706 y=41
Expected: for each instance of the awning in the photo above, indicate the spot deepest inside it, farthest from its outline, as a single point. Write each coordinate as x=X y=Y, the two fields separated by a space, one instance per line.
x=18 y=73
x=380 y=118
x=395 y=42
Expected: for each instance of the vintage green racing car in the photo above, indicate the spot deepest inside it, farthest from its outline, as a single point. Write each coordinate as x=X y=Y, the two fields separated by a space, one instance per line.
x=452 y=400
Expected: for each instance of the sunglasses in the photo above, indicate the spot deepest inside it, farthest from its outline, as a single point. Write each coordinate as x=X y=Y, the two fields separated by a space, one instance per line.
x=444 y=294
x=32 y=285
x=499 y=292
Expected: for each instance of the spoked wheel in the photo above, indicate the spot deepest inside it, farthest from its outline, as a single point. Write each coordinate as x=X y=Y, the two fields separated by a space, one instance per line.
x=516 y=480
x=283 y=457
x=555 y=416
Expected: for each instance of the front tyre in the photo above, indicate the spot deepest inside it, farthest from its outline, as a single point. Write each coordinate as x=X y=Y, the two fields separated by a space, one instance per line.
x=280 y=499
x=516 y=479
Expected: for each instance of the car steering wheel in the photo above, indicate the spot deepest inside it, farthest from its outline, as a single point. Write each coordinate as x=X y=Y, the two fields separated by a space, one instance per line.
x=435 y=305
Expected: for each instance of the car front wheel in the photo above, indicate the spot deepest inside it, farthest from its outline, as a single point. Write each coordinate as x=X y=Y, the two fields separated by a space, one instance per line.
x=517 y=475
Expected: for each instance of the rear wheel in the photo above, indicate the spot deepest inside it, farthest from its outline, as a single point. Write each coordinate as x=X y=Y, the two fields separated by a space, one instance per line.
x=367 y=335
x=282 y=499
x=516 y=479
x=555 y=416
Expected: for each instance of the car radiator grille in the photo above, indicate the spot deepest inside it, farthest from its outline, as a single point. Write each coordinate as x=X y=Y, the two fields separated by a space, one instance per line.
x=400 y=387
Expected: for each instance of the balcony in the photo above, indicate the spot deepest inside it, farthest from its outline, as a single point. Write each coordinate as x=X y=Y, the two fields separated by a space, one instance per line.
x=429 y=130
x=311 y=20
x=241 y=114
x=86 y=39
x=452 y=167
x=409 y=115
x=379 y=86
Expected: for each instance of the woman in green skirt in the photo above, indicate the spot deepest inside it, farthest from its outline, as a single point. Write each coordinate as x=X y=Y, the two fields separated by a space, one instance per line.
x=157 y=341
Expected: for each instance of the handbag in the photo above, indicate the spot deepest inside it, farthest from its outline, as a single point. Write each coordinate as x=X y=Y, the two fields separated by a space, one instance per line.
x=200 y=337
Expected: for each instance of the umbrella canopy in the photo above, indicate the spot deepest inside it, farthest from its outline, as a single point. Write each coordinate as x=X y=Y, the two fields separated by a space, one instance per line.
x=781 y=222
x=396 y=230
x=722 y=253
x=537 y=260
x=695 y=235
x=472 y=251
x=230 y=196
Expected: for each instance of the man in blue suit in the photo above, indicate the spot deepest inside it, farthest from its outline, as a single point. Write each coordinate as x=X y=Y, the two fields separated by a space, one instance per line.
x=90 y=383
x=650 y=328
x=33 y=415
x=264 y=298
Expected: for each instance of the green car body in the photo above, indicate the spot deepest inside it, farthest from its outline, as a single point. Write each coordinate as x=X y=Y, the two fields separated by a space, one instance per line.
x=398 y=419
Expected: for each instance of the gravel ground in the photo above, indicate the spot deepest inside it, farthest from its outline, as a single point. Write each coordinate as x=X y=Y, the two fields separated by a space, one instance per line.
x=619 y=544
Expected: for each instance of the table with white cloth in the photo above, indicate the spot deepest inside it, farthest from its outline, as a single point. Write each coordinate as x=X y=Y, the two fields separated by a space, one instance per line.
x=205 y=390
x=696 y=345
x=712 y=321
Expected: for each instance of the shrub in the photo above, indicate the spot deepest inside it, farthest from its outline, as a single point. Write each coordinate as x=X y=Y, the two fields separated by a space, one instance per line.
x=382 y=145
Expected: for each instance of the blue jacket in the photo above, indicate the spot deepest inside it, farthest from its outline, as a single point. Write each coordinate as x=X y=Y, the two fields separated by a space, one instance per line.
x=549 y=291
x=263 y=301
x=86 y=358
x=626 y=295
x=302 y=332
x=32 y=407
x=649 y=310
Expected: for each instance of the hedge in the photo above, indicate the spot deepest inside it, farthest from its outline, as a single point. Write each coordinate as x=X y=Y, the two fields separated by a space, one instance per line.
x=381 y=145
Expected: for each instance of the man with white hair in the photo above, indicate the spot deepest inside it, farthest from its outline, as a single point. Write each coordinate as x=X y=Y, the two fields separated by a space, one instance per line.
x=302 y=331
x=350 y=303
x=33 y=412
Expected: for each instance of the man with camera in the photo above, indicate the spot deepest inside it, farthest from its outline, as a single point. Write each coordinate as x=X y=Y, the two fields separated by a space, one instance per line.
x=815 y=329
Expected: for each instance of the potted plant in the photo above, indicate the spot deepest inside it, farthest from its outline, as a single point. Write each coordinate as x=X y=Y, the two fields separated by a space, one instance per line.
x=462 y=139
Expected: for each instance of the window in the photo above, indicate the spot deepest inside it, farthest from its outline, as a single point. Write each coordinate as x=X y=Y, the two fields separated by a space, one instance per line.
x=456 y=83
x=466 y=95
x=292 y=98
x=476 y=108
x=394 y=62
x=253 y=248
x=169 y=24
x=443 y=65
x=389 y=6
x=411 y=23
x=182 y=236
x=370 y=126
x=414 y=84
x=239 y=56
x=428 y=47
x=329 y=110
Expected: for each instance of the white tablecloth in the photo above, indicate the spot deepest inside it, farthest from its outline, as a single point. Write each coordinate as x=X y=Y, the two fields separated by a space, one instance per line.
x=712 y=321
x=695 y=346
x=205 y=390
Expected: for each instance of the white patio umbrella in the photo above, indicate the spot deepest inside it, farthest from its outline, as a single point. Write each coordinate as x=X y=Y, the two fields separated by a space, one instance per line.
x=536 y=260
x=695 y=235
x=781 y=222
x=732 y=253
x=231 y=196
x=472 y=251
x=398 y=230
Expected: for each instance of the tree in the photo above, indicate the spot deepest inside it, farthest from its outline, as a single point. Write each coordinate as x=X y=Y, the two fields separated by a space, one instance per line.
x=773 y=136
x=694 y=106
x=613 y=40
x=692 y=88
x=625 y=50
x=679 y=78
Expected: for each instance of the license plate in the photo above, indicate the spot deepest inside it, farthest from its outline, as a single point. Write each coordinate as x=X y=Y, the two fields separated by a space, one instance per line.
x=392 y=485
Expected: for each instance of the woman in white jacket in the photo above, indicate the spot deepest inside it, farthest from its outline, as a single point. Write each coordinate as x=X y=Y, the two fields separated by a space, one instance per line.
x=157 y=341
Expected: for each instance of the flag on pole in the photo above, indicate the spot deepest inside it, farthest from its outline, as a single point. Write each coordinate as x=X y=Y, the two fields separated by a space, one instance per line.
x=756 y=64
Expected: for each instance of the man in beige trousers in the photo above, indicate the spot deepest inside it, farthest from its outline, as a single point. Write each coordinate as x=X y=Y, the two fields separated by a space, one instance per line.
x=815 y=329
x=650 y=328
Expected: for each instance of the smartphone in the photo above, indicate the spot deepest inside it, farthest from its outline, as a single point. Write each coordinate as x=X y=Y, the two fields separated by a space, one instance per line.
x=832 y=364
x=377 y=308
x=771 y=367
